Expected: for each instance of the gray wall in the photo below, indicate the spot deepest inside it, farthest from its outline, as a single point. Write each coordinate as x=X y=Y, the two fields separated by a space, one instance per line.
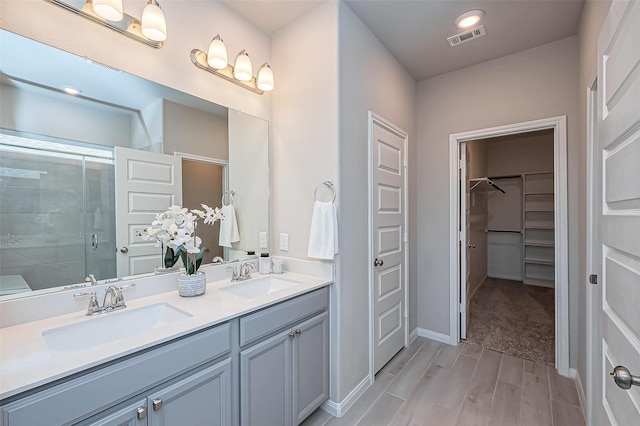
x=320 y=133
x=528 y=85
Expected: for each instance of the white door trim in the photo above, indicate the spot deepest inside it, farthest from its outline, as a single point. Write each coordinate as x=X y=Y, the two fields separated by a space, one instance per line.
x=593 y=169
x=559 y=125
x=374 y=118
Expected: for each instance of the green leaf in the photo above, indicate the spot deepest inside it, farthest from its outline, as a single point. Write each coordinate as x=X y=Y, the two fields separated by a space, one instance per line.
x=171 y=257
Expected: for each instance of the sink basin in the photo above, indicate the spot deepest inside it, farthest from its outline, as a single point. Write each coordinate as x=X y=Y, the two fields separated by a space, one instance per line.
x=111 y=327
x=258 y=287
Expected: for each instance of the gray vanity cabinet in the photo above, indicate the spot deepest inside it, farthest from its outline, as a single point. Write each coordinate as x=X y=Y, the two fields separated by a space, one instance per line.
x=202 y=398
x=285 y=376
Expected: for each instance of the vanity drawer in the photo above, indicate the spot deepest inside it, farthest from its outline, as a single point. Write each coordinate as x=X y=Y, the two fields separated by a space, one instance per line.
x=270 y=320
x=95 y=391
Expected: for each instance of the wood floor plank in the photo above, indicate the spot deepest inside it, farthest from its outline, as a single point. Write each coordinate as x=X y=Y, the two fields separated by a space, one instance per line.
x=405 y=383
x=440 y=416
x=403 y=357
x=535 y=408
x=536 y=369
x=448 y=355
x=476 y=408
x=473 y=351
x=566 y=414
x=382 y=412
x=364 y=403
x=456 y=382
x=511 y=370
x=563 y=388
x=505 y=410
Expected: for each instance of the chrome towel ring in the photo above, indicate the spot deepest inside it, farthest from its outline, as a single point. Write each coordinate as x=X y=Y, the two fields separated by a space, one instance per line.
x=329 y=185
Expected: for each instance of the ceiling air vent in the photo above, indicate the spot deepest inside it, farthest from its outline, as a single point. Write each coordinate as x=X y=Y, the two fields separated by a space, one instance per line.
x=466 y=36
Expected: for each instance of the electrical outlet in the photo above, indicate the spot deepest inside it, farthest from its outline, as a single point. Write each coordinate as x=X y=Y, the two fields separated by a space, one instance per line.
x=263 y=240
x=284 y=242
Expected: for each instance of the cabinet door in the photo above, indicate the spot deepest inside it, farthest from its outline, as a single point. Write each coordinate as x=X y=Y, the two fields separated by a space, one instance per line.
x=310 y=366
x=127 y=416
x=204 y=398
x=265 y=382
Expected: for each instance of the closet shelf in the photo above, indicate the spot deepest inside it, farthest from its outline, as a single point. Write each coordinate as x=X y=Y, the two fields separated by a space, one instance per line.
x=539 y=261
x=484 y=184
x=539 y=225
x=538 y=193
x=540 y=282
x=539 y=243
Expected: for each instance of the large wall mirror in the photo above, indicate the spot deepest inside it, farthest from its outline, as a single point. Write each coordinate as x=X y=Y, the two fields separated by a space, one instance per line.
x=81 y=173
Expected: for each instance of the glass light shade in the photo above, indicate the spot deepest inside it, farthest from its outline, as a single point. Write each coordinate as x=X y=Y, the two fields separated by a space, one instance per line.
x=242 y=67
x=154 y=26
x=265 y=78
x=217 y=54
x=111 y=10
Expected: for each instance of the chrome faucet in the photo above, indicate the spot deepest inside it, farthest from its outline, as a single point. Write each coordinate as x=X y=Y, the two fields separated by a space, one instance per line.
x=116 y=300
x=91 y=279
x=243 y=273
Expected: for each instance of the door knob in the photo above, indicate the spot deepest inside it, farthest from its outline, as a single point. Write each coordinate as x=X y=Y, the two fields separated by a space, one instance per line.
x=623 y=378
x=124 y=250
x=378 y=262
x=472 y=246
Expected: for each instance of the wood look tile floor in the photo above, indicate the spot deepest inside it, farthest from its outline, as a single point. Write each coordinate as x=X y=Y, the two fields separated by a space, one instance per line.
x=430 y=383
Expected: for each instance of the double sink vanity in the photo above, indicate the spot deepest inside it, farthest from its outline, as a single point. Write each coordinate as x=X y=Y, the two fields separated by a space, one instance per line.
x=249 y=352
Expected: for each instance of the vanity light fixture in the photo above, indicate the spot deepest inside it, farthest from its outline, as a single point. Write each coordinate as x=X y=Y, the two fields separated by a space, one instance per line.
x=469 y=19
x=240 y=73
x=151 y=29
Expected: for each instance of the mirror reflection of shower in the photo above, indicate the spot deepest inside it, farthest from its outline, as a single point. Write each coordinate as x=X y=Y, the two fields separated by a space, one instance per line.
x=57 y=223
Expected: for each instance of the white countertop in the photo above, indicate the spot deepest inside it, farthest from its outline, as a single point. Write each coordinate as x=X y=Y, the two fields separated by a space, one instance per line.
x=27 y=362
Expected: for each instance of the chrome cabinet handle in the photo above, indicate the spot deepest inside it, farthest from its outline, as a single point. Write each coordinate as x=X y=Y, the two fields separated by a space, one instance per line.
x=94 y=241
x=623 y=378
x=298 y=332
x=124 y=250
x=472 y=246
x=157 y=404
x=378 y=262
x=141 y=413
x=292 y=335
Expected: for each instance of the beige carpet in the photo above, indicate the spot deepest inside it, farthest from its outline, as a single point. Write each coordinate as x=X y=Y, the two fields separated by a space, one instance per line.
x=515 y=319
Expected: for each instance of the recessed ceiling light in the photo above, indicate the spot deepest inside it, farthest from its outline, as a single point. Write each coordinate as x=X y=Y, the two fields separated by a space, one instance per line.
x=71 y=91
x=469 y=19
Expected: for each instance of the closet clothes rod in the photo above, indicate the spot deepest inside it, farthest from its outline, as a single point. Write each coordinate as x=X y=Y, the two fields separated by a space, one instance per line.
x=503 y=230
x=477 y=182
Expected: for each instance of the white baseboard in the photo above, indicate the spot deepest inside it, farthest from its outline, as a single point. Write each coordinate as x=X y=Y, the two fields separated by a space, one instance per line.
x=338 y=409
x=413 y=335
x=581 y=394
x=434 y=335
x=572 y=373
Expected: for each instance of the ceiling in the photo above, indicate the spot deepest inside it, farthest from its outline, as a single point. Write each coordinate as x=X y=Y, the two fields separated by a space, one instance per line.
x=416 y=31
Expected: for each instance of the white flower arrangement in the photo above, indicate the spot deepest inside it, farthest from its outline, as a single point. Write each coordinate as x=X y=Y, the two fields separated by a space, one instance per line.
x=176 y=229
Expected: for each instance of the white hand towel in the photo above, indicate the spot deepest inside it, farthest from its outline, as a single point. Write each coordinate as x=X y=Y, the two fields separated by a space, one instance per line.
x=228 y=227
x=323 y=238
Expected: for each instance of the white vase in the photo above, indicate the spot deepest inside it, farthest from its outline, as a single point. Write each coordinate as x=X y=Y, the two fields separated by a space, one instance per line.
x=192 y=285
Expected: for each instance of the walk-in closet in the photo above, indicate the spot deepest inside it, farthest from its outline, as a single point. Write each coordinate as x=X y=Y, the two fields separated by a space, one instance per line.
x=510 y=244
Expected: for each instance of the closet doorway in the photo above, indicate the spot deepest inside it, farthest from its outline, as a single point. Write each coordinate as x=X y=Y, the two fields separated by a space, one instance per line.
x=510 y=268
x=510 y=277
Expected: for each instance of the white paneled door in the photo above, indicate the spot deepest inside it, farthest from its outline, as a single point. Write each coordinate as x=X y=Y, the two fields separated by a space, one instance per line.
x=389 y=235
x=619 y=216
x=146 y=183
x=465 y=243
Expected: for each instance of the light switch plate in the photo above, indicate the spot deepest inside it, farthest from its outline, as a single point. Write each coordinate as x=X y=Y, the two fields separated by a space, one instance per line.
x=284 y=242
x=263 y=240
